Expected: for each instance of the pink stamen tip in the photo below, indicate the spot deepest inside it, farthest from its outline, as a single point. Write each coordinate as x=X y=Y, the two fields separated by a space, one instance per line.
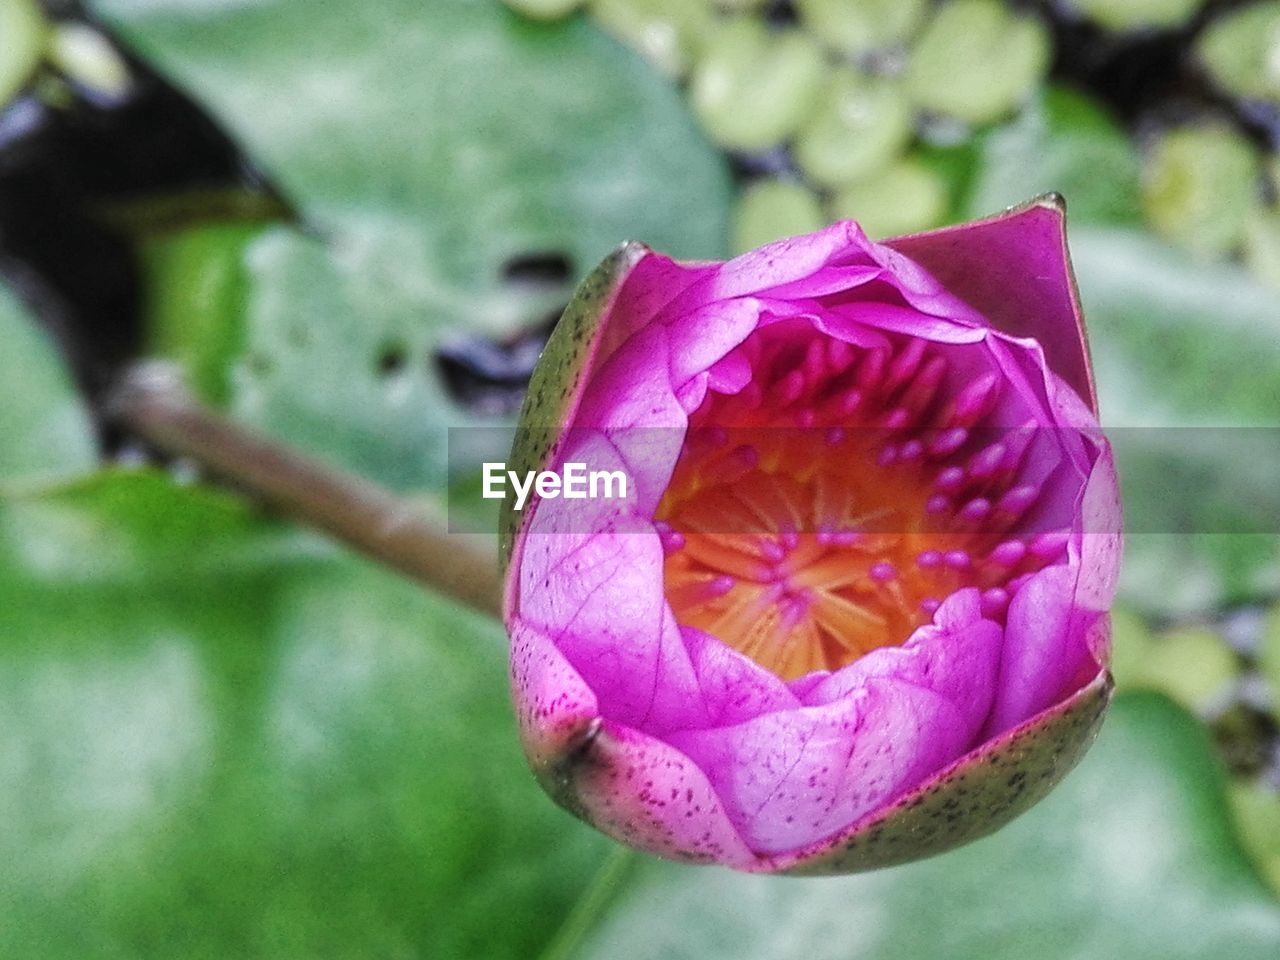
x=871 y=369
x=884 y=572
x=949 y=480
x=906 y=363
x=975 y=510
x=1009 y=553
x=772 y=552
x=929 y=559
x=790 y=540
x=974 y=400
x=989 y=461
x=948 y=441
x=1047 y=546
x=956 y=559
x=911 y=450
x=844 y=538
x=673 y=541
x=1017 y=500
x=839 y=354
x=806 y=418
x=721 y=585
x=929 y=606
x=921 y=391
x=834 y=436
x=850 y=402
x=937 y=504
x=790 y=388
x=887 y=456
x=815 y=359
x=897 y=418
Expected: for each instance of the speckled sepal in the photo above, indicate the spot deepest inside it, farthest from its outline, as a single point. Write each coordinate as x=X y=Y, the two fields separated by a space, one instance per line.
x=560 y=373
x=975 y=796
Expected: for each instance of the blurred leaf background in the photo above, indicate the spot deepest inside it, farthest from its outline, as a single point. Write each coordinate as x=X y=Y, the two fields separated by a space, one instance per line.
x=352 y=223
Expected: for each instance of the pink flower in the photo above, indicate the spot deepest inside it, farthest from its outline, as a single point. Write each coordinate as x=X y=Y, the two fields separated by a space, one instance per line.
x=854 y=608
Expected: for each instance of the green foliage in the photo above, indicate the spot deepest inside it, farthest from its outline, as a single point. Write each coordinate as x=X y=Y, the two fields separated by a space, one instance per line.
x=22 y=37
x=1062 y=143
x=752 y=88
x=1240 y=48
x=772 y=209
x=426 y=144
x=1199 y=186
x=1133 y=856
x=222 y=739
x=976 y=61
x=44 y=428
x=1184 y=353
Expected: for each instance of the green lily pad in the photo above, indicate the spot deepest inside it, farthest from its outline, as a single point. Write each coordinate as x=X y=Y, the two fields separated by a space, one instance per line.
x=1123 y=15
x=1200 y=184
x=1193 y=665
x=22 y=37
x=1186 y=354
x=1239 y=50
x=977 y=60
x=44 y=428
x=1133 y=856
x=769 y=210
x=305 y=756
x=1269 y=654
x=428 y=144
x=1257 y=809
x=1062 y=143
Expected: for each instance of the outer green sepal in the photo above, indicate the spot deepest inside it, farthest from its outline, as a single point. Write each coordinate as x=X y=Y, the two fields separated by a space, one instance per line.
x=560 y=373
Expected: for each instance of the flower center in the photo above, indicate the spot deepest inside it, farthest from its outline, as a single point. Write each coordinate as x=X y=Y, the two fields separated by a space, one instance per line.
x=830 y=506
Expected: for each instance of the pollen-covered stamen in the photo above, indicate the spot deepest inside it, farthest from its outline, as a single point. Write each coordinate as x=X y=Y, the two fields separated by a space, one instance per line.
x=829 y=507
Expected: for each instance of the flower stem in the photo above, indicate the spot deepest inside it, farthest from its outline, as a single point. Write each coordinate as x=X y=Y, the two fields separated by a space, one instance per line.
x=152 y=402
x=598 y=895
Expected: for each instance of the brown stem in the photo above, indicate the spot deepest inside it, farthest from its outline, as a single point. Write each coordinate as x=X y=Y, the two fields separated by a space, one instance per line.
x=152 y=402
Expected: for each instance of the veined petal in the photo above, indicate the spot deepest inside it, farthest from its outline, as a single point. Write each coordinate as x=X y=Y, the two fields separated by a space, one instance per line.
x=865 y=734
x=1014 y=270
x=647 y=794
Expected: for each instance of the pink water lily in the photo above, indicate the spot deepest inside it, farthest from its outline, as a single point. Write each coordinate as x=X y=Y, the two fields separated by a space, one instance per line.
x=854 y=610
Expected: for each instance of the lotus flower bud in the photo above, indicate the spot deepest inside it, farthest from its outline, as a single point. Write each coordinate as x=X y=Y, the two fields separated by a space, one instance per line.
x=852 y=610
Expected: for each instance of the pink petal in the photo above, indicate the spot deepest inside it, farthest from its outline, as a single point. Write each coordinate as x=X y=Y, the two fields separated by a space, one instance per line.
x=553 y=704
x=866 y=733
x=653 y=283
x=649 y=795
x=599 y=597
x=792 y=777
x=1014 y=269
x=1047 y=649
x=734 y=687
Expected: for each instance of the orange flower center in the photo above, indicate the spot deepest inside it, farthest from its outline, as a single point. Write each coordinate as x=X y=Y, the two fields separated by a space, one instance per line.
x=829 y=507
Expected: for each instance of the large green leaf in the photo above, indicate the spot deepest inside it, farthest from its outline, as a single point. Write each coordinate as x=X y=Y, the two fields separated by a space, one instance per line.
x=1186 y=354
x=1133 y=856
x=44 y=428
x=426 y=142
x=238 y=758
